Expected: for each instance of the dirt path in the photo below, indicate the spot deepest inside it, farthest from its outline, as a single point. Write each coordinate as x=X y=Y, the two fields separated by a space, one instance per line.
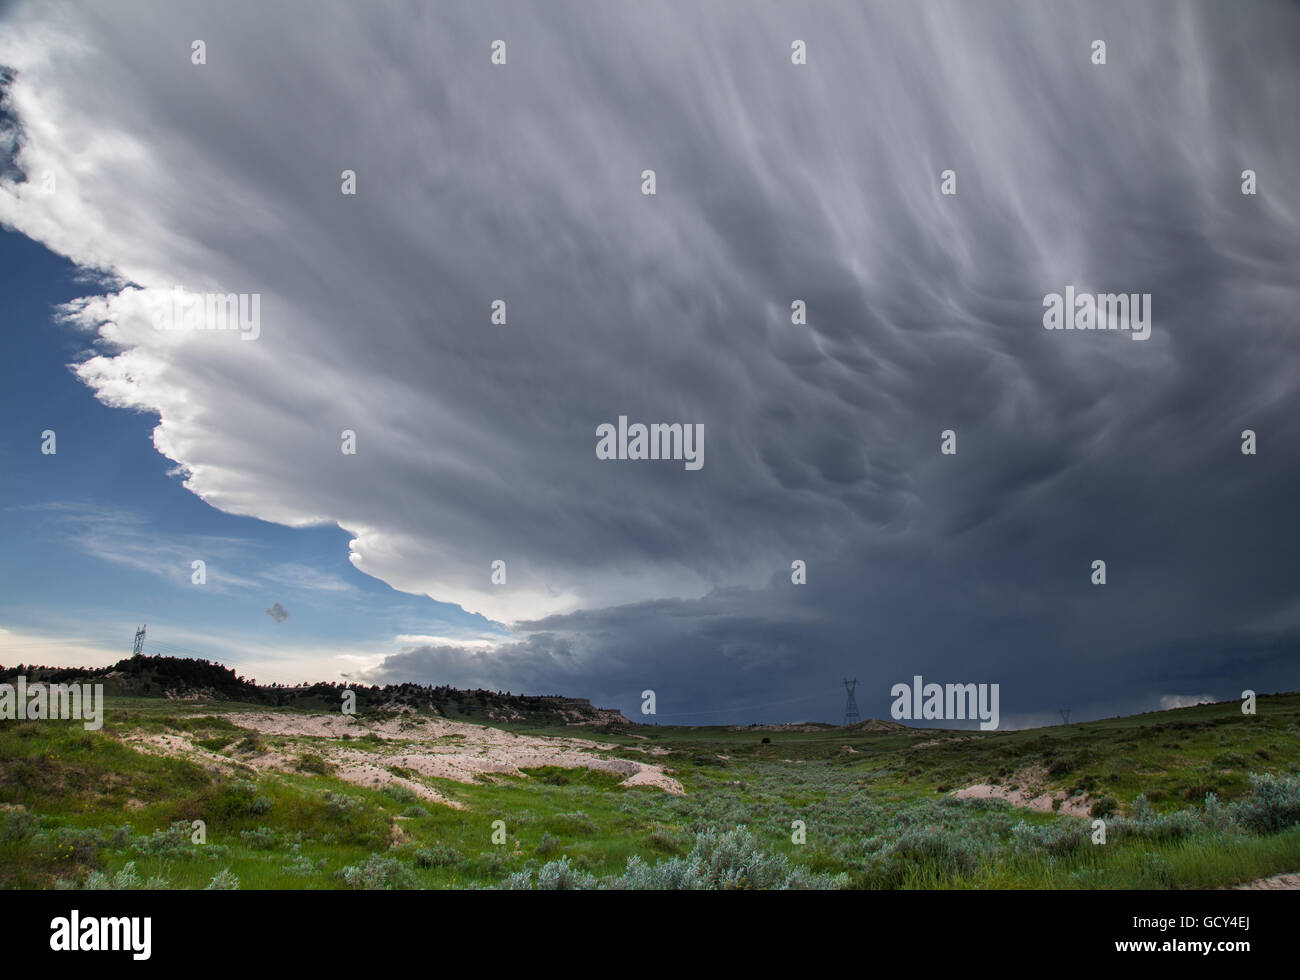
x=1289 y=882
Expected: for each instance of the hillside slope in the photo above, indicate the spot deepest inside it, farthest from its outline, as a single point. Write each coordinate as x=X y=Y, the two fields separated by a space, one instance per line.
x=400 y=797
x=193 y=679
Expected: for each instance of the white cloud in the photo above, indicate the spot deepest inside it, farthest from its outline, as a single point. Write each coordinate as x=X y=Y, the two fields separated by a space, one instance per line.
x=1170 y=701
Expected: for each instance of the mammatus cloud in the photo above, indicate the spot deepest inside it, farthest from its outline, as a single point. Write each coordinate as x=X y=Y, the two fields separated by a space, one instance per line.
x=475 y=441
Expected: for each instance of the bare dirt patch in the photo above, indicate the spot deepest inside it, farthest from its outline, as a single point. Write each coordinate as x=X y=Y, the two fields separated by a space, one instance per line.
x=181 y=747
x=1289 y=882
x=1030 y=793
x=426 y=747
x=943 y=741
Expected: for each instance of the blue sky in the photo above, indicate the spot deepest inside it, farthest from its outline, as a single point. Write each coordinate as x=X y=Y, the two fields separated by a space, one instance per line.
x=100 y=536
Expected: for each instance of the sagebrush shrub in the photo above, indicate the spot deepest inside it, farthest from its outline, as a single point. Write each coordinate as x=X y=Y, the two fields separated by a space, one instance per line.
x=378 y=873
x=222 y=881
x=169 y=841
x=436 y=856
x=124 y=879
x=260 y=839
x=562 y=876
x=1273 y=804
x=1063 y=837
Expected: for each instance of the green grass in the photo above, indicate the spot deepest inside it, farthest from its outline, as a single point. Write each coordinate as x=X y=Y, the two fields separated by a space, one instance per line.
x=78 y=802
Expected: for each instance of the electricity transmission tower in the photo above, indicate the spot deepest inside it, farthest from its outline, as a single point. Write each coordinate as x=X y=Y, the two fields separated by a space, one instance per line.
x=1065 y=714
x=851 y=705
x=138 y=649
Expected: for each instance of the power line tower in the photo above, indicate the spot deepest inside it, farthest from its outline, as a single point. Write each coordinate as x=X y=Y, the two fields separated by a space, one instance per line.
x=851 y=705
x=1065 y=714
x=138 y=649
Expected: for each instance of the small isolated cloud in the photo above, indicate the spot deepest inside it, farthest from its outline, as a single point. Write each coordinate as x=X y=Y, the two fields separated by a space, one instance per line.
x=1170 y=701
x=278 y=613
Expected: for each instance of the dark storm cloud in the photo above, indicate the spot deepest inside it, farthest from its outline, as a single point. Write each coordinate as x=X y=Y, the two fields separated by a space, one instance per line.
x=775 y=182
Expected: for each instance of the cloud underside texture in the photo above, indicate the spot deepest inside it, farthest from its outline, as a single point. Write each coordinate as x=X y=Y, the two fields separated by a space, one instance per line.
x=775 y=182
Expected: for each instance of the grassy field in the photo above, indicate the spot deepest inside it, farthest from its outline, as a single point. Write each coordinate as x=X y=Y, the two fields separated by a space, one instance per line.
x=1195 y=798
